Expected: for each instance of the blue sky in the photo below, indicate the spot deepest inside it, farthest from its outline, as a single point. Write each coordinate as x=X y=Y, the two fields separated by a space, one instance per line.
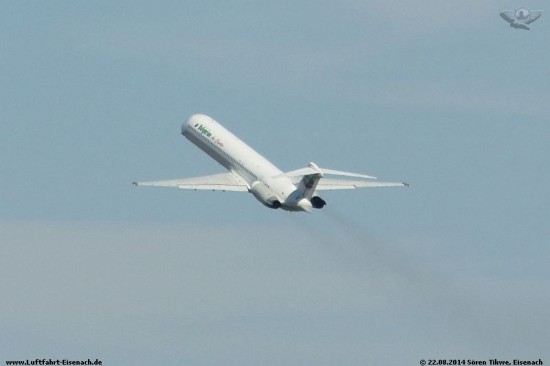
x=443 y=95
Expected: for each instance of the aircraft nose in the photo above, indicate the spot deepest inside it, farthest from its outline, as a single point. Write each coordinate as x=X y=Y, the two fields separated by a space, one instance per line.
x=183 y=128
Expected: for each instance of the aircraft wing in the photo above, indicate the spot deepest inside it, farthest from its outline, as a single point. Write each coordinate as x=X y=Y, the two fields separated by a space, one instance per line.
x=329 y=184
x=535 y=14
x=218 y=182
x=508 y=15
x=314 y=169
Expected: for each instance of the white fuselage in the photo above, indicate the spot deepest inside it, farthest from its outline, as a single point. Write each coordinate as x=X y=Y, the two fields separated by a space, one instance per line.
x=236 y=156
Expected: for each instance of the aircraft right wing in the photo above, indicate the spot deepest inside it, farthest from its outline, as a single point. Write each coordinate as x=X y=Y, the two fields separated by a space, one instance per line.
x=312 y=168
x=535 y=14
x=218 y=182
x=329 y=184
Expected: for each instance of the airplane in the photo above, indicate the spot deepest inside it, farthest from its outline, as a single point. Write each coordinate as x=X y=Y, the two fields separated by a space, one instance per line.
x=248 y=171
x=520 y=18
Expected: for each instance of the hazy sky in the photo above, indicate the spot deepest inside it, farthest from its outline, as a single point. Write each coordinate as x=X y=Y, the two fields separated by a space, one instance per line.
x=441 y=94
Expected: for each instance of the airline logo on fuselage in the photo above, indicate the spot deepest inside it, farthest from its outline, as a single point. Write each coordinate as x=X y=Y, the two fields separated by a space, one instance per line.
x=204 y=130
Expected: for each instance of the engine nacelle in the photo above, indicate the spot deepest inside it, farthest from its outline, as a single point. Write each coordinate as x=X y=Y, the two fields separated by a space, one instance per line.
x=318 y=202
x=265 y=195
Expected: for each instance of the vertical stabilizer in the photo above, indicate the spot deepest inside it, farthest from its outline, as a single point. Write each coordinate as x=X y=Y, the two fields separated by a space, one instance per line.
x=308 y=183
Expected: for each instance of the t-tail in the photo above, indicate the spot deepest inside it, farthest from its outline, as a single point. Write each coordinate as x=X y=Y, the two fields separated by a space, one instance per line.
x=312 y=179
x=308 y=185
x=305 y=188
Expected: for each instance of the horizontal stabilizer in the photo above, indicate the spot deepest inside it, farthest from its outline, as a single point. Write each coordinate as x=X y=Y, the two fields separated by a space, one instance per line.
x=346 y=174
x=298 y=173
x=328 y=184
x=218 y=182
x=314 y=169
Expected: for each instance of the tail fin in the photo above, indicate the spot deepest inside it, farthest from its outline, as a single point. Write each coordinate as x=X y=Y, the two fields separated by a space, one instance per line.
x=308 y=183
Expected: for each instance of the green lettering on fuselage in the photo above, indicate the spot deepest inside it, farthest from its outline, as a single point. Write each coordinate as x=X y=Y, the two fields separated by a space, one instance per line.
x=205 y=131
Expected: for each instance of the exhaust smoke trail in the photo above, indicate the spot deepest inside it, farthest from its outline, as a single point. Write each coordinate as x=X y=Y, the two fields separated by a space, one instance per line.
x=411 y=280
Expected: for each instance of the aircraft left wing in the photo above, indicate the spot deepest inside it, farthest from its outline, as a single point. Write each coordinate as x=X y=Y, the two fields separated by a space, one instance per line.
x=218 y=182
x=508 y=15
